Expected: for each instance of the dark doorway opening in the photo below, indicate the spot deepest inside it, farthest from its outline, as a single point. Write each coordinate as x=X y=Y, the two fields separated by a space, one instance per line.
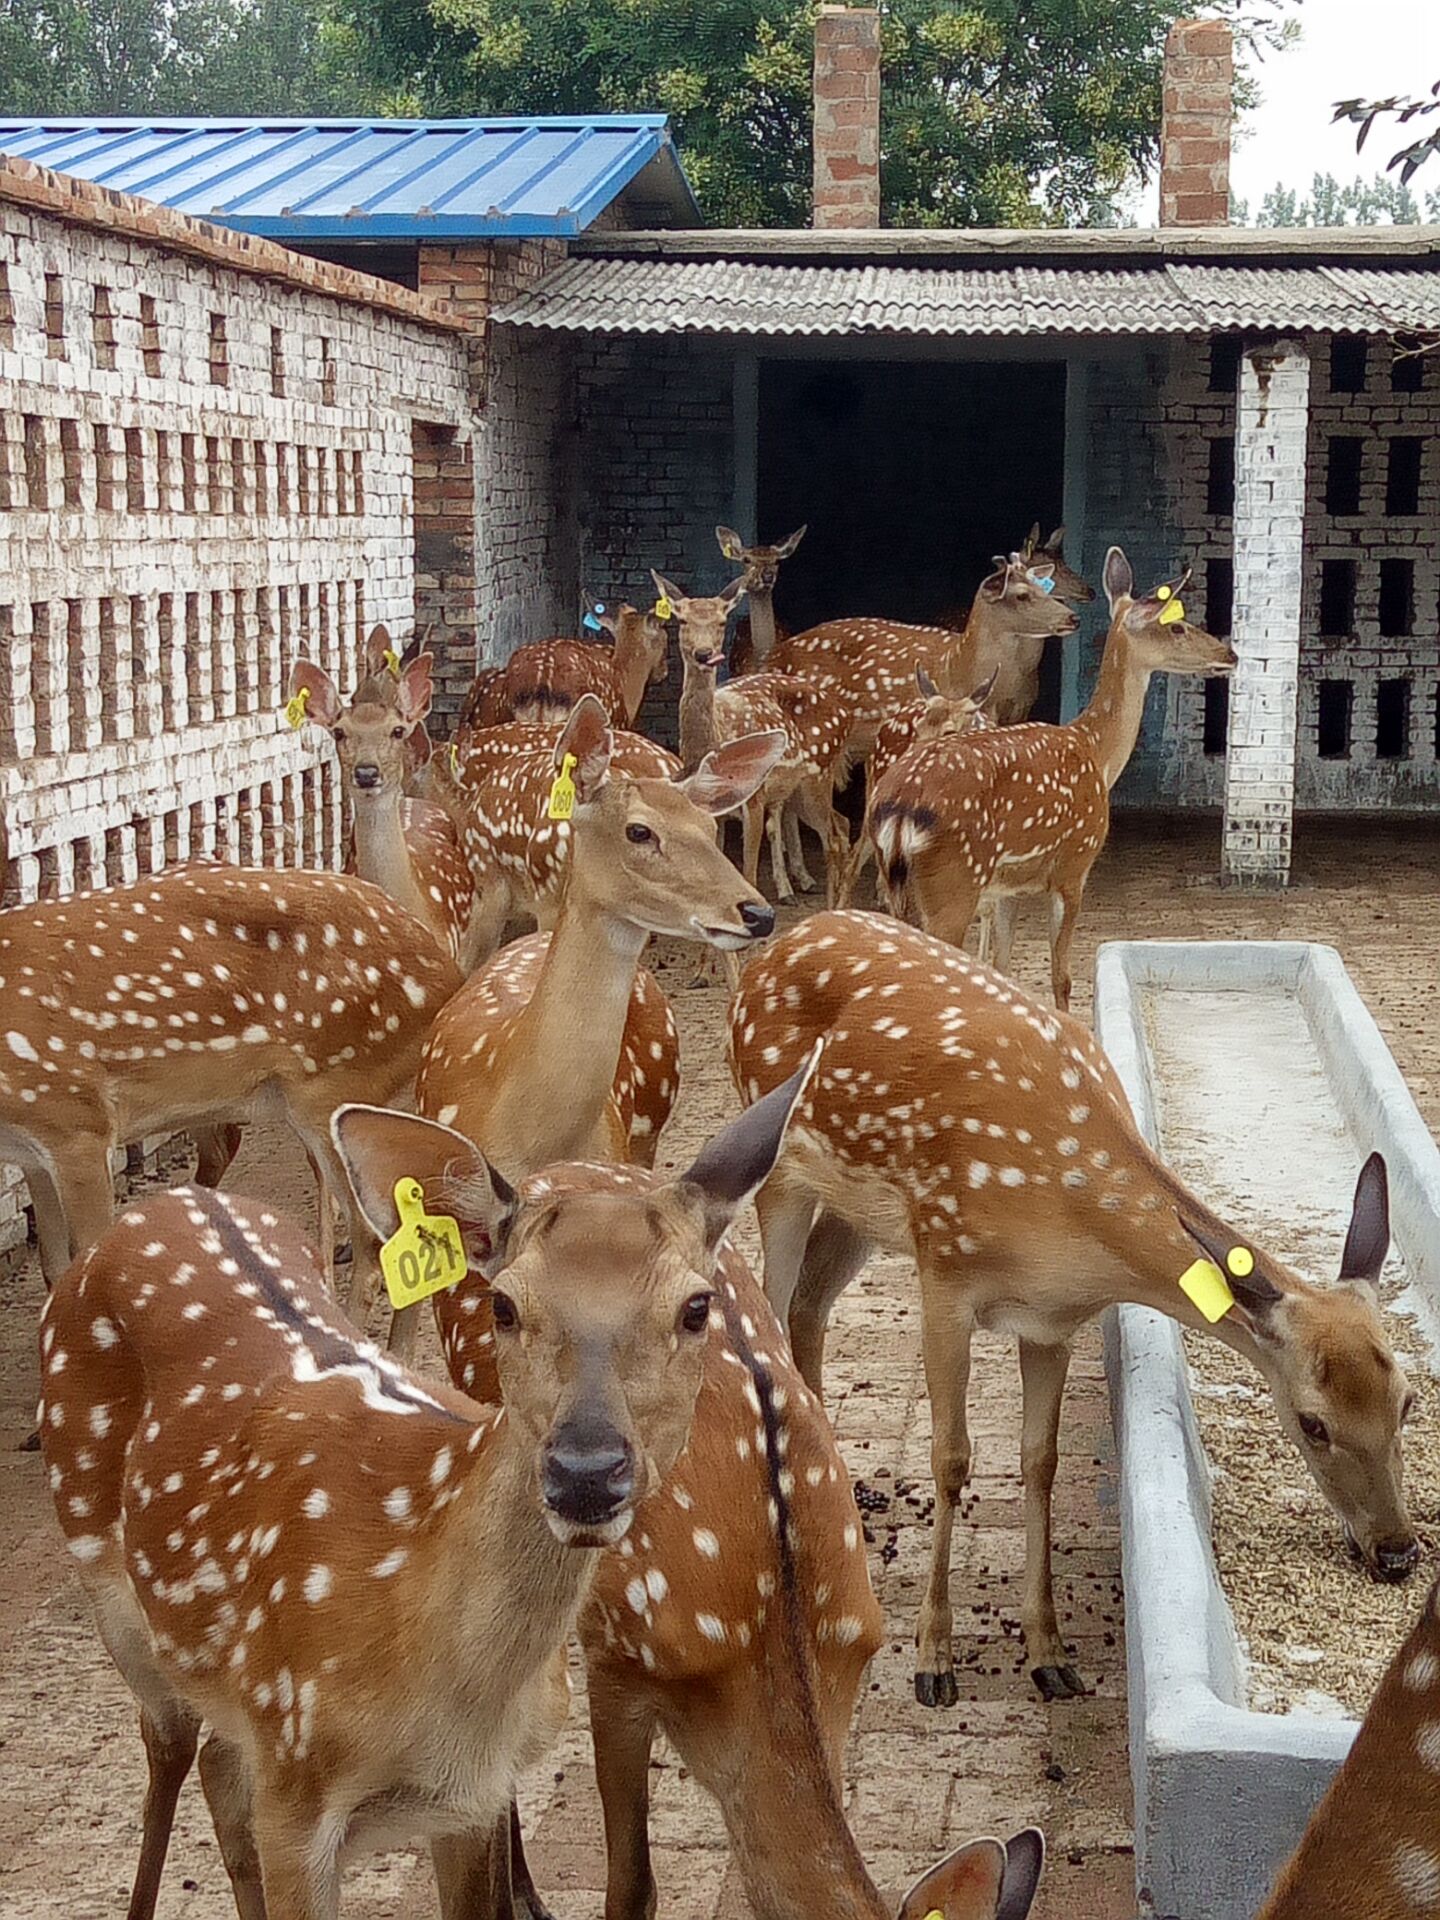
x=911 y=477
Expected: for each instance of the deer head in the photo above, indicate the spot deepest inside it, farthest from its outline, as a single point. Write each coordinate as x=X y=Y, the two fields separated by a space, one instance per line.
x=1159 y=633
x=1339 y=1391
x=762 y=564
x=946 y=713
x=601 y=1300
x=636 y=630
x=1014 y=599
x=375 y=734
x=702 y=621
x=1046 y=559
x=650 y=845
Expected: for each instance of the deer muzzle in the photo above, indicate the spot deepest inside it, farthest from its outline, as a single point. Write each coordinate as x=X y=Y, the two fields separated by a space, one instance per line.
x=588 y=1482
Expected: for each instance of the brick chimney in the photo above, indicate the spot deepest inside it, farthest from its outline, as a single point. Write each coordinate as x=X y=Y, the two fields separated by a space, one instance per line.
x=847 y=117
x=1195 y=120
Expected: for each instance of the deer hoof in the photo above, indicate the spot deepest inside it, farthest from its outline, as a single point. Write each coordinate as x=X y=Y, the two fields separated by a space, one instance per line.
x=1059 y=1683
x=30 y=1444
x=936 y=1689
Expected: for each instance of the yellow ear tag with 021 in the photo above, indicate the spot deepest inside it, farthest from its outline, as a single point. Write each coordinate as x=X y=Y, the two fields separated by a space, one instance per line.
x=562 y=791
x=390 y=660
x=663 y=608
x=425 y=1253
x=295 y=708
x=1207 y=1286
x=1173 y=612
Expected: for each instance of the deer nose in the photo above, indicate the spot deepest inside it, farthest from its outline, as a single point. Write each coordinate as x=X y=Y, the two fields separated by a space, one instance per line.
x=588 y=1473
x=758 y=917
x=367 y=775
x=1395 y=1563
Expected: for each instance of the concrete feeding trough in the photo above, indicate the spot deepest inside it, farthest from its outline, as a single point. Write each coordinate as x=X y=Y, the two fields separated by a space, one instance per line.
x=1222 y=1792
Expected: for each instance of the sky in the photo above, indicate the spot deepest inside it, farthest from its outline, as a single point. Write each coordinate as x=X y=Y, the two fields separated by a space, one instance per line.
x=1348 y=49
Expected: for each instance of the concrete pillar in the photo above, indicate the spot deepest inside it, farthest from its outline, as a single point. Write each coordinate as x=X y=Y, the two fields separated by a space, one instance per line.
x=1197 y=108
x=1272 y=418
x=847 y=117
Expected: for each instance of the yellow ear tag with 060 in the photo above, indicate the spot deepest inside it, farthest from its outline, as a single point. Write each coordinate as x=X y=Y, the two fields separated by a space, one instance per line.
x=663 y=608
x=1207 y=1286
x=424 y=1254
x=562 y=792
x=390 y=660
x=1173 y=612
x=295 y=708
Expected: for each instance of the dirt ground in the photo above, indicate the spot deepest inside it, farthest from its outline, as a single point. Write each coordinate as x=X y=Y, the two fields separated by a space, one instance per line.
x=919 y=1781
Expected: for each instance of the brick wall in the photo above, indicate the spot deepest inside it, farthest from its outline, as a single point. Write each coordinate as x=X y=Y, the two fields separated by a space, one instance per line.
x=846 y=190
x=1197 y=108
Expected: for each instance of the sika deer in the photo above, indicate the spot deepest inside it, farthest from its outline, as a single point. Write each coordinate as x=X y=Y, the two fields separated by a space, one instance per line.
x=871 y=664
x=407 y=847
x=1372 y=1848
x=1027 y=809
x=953 y=1118
x=362 y=1586
x=737 y=1615
x=815 y=725
x=200 y=996
x=756 y=635
x=540 y=683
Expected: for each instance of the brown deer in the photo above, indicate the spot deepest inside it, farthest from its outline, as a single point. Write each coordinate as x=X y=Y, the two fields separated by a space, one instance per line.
x=934 y=716
x=871 y=664
x=1026 y=809
x=364 y=1586
x=1372 y=1848
x=1046 y=560
x=409 y=848
x=756 y=631
x=541 y=682
x=953 y=1118
x=737 y=1616
x=195 y=997
x=814 y=722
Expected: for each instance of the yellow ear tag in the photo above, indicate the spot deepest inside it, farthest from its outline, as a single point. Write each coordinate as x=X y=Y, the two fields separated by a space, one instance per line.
x=424 y=1254
x=562 y=792
x=295 y=708
x=732 y=552
x=935 y=1914
x=1241 y=1262
x=390 y=660
x=1174 y=611
x=663 y=608
x=1207 y=1288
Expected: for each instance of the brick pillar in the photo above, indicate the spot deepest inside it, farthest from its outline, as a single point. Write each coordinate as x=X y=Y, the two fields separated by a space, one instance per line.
x=847 y=117
x=1272 y=419
x=1195 y=121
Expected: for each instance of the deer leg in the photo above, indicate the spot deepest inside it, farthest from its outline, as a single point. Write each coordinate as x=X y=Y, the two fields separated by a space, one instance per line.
x=86 y=1190
x=1064 y=912
x=170 y=1741
x=775 y=834
x=837 y=856
x=786 y=1214
x=945 y=1332
x=472 y=1872
x=487 y=918
x=227 y=1793
x=52 y=1229
x=215 y=1148
x=301 y=1875
x=810 y=807
x=752 y=821
x=623 y=1731
x=524 y=1894
x=1042 y=1377
x=834 y=1254
x=1003 y=913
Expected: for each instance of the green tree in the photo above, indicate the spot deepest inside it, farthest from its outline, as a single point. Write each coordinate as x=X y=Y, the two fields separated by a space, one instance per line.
x=1403 y=109
x=1363 y=203
x=995 y=112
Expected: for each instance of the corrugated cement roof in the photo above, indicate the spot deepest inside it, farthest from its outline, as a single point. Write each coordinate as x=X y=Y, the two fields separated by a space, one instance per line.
x=374 y=179
x=650 y=295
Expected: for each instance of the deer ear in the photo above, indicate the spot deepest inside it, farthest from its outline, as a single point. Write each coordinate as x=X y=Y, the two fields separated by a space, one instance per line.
x=741 y=1157
x=377 y=645
x=325 y=705
x=1119 y=579
x=587 y=735
x=983 y=692
x=1368 y=1241
x=730 y=596
x=1055 y=544
x=730 y=543
x=1254 y=1292
x=668 y=590
x=993 y=585
x=414 y=692
x=379 y=1148
x=788 y=545
x=928 y=688
x=966 y=1885
x=728 y=775
x=1024 y=1863
x=1032 y=541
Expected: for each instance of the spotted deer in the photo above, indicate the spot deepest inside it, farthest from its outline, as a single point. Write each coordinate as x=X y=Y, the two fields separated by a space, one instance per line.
x=204 y=995
x=934 y=716
x=1026 y=809
x=361 y=1585
x=871 y=664
x=953 y=1118
x=814 y=722
x=409 y=848
x=756 y=631
x=737 y=1617
x=1372 y=1848
x=541 y=682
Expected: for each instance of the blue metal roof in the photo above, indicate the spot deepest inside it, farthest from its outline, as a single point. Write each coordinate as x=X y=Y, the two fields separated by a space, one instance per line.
x=372 y=179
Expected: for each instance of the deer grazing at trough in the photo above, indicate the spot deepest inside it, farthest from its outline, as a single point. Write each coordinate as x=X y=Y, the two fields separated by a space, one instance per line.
x=756 y=631
x=1026 y=809
x=737 y=1616
x=409 y=848
x=541 y=682
x=871 y=664
x=1372 y=1848
x=361 y=1585
x=197 y=997
x=953 y=1118
x=814 y=722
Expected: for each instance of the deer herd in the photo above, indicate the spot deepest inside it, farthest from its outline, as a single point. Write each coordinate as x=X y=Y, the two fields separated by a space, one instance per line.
x=349 y=1587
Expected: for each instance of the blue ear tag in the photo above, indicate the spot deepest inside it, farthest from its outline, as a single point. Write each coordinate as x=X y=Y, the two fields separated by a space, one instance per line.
x=1045 y=581
x=591 y=622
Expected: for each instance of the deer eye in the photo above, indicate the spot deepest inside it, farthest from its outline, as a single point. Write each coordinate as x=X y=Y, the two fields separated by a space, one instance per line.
x=695 y=1314
x=1315 y=1431
x=338 y=736
x=505 y=1312
x=638 y=833
x=397 y=733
